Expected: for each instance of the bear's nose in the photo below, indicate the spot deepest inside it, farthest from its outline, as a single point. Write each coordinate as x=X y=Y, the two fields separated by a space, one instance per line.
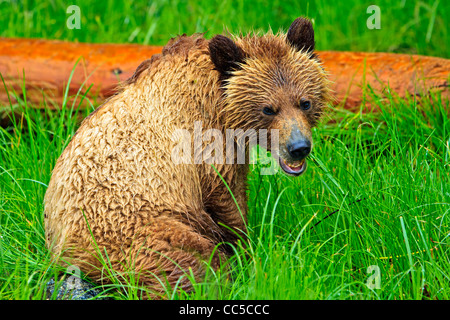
x=299 y=149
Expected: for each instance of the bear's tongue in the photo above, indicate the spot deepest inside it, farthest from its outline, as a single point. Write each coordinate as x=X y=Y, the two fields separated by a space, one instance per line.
x=294 y=168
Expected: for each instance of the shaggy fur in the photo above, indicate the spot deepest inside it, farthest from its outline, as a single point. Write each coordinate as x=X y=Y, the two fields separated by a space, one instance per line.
x=116 y=183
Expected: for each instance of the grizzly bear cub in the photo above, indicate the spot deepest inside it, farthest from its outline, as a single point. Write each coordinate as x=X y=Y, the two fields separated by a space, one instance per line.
x=118 y=197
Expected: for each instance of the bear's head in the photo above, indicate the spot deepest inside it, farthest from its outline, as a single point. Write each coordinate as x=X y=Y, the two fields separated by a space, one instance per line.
x=273 y=82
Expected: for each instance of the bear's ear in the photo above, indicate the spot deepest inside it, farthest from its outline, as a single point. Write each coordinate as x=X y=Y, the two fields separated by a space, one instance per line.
x=301 y=34
x=225 y=54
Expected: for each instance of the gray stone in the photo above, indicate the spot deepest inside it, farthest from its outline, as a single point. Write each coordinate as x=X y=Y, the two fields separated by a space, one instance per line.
x=73 y=288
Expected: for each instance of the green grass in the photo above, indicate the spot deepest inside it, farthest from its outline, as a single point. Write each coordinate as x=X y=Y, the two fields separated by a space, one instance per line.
x=387 y=173
x=395 y=161
x=406 y=26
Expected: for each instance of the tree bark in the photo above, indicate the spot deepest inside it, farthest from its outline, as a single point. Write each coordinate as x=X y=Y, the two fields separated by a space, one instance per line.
x=45 y=67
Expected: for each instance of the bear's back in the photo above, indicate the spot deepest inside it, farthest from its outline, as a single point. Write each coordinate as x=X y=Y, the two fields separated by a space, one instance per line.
x=117 y=170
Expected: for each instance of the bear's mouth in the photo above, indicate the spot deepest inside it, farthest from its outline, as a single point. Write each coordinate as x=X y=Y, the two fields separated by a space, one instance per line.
x=294 y=168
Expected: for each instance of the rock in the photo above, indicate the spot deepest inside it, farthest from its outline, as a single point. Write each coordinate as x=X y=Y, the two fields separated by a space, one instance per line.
x=73 y=288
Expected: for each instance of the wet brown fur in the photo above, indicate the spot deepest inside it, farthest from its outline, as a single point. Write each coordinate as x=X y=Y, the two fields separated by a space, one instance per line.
x=115 y=183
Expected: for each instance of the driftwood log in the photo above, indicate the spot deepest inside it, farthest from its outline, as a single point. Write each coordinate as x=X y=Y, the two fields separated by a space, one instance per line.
x=46 y=66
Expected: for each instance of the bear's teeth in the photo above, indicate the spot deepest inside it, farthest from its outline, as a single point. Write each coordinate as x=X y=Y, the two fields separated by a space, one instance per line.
x=295 y=165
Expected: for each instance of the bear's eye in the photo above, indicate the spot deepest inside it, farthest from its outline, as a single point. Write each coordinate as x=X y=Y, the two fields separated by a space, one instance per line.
x=305 y=104
x=269 y=111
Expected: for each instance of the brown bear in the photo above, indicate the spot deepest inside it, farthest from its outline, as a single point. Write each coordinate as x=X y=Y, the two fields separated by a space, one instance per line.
x=117 y=197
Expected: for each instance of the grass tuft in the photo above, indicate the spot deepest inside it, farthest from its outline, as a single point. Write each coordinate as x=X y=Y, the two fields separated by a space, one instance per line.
x=375 y=195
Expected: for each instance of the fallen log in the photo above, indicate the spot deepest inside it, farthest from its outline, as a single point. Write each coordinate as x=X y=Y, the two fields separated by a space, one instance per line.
x=44 y=67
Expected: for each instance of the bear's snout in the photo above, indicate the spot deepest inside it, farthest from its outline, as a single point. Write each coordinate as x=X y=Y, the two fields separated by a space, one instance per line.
x=295 y=150
x=299 y=149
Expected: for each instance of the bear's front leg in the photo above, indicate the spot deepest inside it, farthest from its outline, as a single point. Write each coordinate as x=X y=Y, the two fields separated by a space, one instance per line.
x=230 y=214
x=164 y=255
